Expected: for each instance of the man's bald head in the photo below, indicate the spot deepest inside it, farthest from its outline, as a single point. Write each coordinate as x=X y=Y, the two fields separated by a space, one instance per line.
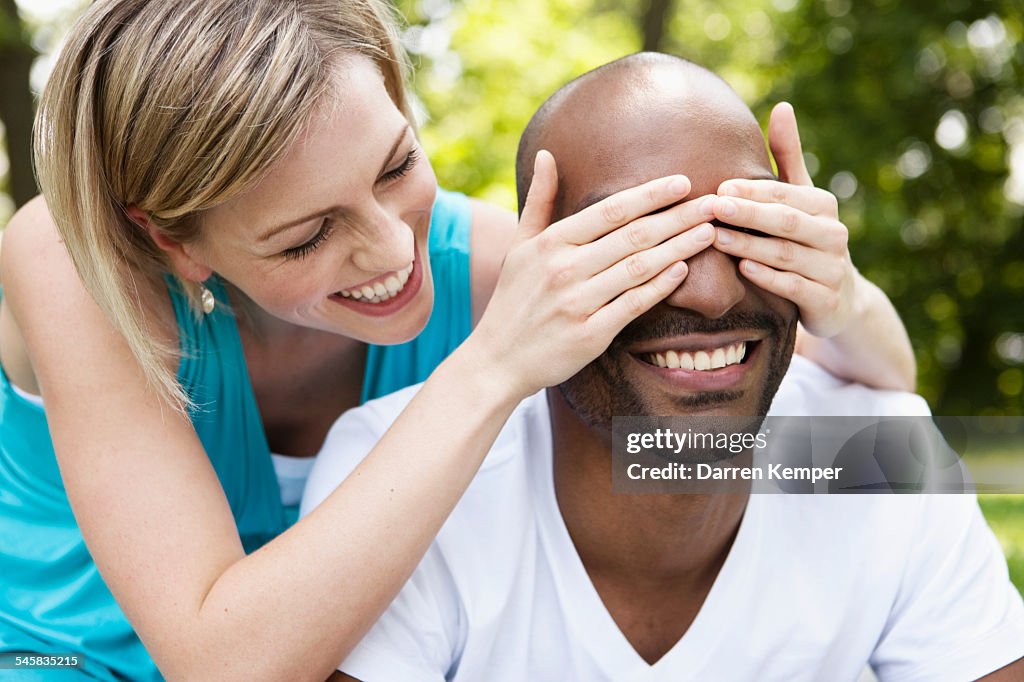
x=637 y=119
x=617 y=114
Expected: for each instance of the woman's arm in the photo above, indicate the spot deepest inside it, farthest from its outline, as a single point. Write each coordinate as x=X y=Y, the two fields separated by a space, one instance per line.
x=154 y=515
x=873 y=349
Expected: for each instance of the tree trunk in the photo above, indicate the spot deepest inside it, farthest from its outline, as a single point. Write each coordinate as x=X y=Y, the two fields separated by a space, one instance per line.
x=16 y=105
x=654 y=24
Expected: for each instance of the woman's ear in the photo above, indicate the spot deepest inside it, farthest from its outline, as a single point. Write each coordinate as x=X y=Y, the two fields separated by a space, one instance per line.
x=179 y=254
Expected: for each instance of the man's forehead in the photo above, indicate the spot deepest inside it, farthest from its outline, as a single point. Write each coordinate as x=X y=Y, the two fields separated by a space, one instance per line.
x=626 y=127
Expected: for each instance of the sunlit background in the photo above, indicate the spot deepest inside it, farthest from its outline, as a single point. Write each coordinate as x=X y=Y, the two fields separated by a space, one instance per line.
x=912 y=113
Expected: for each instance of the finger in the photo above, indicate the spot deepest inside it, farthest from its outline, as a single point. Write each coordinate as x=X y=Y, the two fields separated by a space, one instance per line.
x=807 y=199
x=631 y=304
x=778 y=220
x=782 y=254
x=641 y=267
x=784 y=141
x=807 y=295
x=612 y=212
x=540 y=199
x=644 y=233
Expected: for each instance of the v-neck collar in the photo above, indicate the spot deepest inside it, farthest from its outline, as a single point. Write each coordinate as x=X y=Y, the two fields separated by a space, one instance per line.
x=591 y=623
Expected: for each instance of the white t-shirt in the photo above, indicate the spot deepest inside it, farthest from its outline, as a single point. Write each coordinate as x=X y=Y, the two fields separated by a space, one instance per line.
x=813 y=588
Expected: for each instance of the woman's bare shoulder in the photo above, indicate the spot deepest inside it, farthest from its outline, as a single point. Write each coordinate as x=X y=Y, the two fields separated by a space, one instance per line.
x=43 y=294
x=28 y=244
x=30 y=228
x=33 y=261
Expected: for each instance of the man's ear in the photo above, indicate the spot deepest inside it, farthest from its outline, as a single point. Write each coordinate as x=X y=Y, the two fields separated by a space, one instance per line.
x=179 y=254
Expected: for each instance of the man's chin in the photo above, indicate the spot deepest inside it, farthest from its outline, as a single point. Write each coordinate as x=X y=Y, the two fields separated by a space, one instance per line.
x=716 y=402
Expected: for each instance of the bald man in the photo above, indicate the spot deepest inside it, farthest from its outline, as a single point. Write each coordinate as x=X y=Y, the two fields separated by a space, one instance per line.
x=543 y=573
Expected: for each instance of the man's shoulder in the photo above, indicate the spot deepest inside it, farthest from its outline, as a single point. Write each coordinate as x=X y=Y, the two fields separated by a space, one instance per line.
x=869 y=543
x=808 y=389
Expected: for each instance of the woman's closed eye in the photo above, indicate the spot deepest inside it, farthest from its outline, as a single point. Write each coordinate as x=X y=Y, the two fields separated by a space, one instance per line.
x=407 y=165
x=304 y=249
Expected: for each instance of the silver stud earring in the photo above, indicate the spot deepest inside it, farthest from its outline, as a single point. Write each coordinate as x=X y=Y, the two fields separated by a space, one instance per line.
x=207 y=299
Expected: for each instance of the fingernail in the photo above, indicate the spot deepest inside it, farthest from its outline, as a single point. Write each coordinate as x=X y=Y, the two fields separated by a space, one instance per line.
x=751 y=267
x=707 y=207
x=725 y=237
x=679 y=186
x=678 y=269
x=728 y=191
x=726 y=207
x=704 y=233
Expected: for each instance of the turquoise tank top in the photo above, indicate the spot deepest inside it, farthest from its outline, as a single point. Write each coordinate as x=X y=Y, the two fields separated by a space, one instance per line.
x=52 y=598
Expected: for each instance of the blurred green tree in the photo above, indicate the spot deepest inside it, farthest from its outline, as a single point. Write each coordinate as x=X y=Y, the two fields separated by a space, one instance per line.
x=914 y=110
x=16 y=106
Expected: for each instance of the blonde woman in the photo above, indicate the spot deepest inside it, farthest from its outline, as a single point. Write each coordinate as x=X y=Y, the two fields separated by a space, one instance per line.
x=244 y=226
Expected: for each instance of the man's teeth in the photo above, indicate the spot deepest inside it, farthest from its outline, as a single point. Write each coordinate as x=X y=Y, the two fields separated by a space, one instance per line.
x=380 y=291
x=701 y=360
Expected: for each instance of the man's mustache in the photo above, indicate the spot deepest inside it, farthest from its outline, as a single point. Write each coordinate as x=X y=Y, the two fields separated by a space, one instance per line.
x=658 y=325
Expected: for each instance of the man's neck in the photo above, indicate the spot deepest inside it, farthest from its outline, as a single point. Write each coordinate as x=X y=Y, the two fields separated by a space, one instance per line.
x=642 y=552
x=655 y=534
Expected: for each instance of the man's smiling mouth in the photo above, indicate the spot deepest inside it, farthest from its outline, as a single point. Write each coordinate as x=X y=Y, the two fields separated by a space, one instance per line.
x=701 y=360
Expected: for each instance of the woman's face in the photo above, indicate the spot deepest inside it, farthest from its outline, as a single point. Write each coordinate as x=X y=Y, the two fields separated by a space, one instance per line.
x=335 y=236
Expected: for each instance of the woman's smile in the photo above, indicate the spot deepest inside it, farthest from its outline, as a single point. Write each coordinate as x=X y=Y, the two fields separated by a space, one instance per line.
x=383 y=295
x=380 y=288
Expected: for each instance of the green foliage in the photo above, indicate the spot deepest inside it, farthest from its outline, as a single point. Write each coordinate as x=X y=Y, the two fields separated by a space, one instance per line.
x=876 y=86
x=12 y=32
x=920 y=101
x=506 y=58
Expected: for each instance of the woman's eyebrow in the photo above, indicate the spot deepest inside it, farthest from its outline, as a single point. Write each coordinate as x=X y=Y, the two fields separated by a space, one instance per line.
x=277 y=229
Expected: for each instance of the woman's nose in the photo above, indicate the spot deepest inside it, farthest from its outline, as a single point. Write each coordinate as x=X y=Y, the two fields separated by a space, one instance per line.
x=386 y=244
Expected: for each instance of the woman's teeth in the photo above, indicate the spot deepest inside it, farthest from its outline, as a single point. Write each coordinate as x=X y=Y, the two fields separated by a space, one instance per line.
x=700 y=360
x=380 y=291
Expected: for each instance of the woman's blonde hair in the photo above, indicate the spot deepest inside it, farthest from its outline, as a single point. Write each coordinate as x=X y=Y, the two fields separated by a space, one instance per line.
x=174 y=106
